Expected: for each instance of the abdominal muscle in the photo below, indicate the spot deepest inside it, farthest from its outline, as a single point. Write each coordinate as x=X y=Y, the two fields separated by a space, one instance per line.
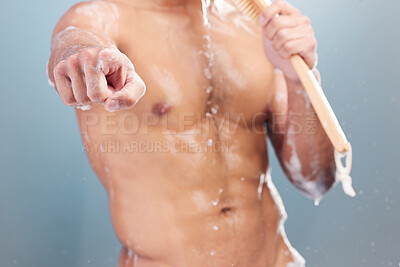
x=190 y=208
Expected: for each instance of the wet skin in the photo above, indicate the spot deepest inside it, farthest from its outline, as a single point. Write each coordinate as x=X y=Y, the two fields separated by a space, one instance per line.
x=182 y=183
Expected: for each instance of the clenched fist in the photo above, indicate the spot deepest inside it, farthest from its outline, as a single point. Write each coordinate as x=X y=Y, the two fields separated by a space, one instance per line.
x=287 y=32
x=98 y=75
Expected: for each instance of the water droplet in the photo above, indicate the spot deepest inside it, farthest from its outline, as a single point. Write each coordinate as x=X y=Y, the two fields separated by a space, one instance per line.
x=209 y=142
x=215 y=202
x=207 y=73
x=215 y=228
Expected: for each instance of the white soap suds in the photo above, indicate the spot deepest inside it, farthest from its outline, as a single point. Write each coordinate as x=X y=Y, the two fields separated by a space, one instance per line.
x=223 y=8
x=101 y=14
x=298 y=260
x=208 y=52
x=83 y=107
x=131 y=255
x=280 y=96
x=68 y=33
x=312 y=189
x=51 y=83
x=261 y=184
x=226 y=11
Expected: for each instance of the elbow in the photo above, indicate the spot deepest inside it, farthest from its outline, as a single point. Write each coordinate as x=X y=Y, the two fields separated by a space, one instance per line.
x=315 y=184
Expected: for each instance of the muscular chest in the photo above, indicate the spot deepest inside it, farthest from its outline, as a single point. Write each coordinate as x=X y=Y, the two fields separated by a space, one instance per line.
x=189 y=69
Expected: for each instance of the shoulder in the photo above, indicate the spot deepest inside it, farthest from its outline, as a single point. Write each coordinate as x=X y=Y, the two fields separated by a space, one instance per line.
x=98 y=17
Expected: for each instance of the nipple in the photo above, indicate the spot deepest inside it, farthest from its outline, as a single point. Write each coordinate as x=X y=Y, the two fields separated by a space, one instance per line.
x=161 y=108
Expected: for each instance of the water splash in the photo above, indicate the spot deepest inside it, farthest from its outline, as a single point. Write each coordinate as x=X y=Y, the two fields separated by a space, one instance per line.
x=298 y=260
x=208 y=53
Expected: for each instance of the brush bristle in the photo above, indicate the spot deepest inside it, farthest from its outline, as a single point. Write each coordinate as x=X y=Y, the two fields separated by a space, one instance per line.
x=250 y=8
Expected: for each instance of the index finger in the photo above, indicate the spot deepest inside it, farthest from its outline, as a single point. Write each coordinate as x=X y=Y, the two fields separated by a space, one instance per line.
x=129 y=95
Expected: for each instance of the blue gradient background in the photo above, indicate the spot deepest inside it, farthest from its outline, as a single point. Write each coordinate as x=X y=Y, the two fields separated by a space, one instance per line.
x=54 y=212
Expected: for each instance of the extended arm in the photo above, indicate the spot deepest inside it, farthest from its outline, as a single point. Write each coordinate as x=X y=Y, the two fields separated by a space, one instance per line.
x=86 y=66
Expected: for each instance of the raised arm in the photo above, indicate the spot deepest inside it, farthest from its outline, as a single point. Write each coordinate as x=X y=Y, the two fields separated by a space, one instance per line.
x=301 y=145
x=85 y=64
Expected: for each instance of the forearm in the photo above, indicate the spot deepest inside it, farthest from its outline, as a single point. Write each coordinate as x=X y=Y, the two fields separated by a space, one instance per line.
x=69 y=42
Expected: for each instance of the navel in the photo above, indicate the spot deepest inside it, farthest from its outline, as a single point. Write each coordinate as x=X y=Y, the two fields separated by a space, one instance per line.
x=226 y=210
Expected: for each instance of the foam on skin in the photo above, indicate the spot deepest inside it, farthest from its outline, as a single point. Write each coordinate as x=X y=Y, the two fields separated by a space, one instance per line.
x=226 y=11
x=69 y=34
x=103 y=15
x=312 y=189
x=298 y=260
x=51 y=83
x=84 y=107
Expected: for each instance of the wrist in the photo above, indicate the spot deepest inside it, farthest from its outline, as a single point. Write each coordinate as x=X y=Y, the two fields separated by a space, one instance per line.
x=75 y=49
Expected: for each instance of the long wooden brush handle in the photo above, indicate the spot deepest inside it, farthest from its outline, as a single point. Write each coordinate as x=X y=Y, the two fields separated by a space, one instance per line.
x=317 y=97
x=321 y=105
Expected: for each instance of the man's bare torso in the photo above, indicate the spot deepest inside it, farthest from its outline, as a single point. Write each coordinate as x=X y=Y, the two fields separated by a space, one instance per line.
x=182 y=168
